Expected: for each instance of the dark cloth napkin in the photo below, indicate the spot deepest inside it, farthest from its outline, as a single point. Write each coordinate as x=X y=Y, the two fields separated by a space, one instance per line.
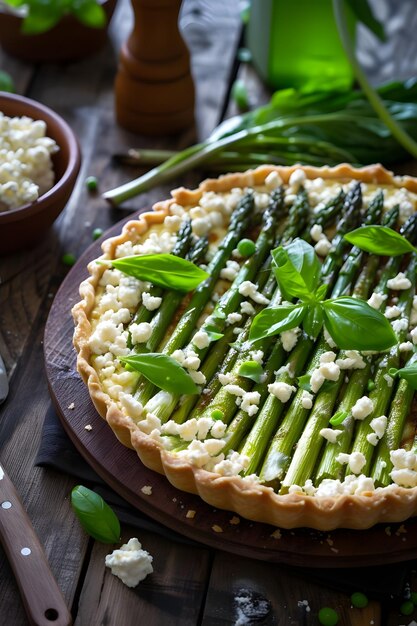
x=384 y=583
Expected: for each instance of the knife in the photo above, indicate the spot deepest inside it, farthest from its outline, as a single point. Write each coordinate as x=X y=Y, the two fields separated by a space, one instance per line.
x=4 y=383
x=42 y=598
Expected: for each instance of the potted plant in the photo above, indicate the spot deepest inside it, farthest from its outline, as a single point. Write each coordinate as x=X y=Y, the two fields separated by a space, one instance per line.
x=54 y=30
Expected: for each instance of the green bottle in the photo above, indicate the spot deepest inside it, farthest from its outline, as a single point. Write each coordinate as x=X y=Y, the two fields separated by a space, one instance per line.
x=296 y=44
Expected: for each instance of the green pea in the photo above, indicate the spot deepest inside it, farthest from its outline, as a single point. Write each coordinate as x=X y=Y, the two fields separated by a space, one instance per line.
x=359 y=600
x=246 y=247
x=217 y=414
x=68 y=259
x=371 y=385
x=97 y=232
x=407 y=608
x=328 y=617
x=240 y=95
x=91 y=183
x=413 y=597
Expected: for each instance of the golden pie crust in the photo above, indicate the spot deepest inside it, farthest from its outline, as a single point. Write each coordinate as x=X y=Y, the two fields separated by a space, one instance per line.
x=248 y=499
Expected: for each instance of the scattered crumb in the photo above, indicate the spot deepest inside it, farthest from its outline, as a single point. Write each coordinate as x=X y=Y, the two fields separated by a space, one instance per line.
x=234 y=520
x=304 y=604
x=388 y=531
x=330 y=541
x=147 y=490
x=88 y=427
x=402 y=529
x=71 y=406
x=334 y=550
x=190 y=514
x=217 y=529
x=174 y=499
x=276 y=534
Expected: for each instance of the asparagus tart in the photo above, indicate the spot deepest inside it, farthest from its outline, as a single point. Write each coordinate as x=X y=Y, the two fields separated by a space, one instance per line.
x=255 y=340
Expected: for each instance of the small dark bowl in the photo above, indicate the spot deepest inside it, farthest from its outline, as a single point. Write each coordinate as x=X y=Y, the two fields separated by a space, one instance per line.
x=20 y=228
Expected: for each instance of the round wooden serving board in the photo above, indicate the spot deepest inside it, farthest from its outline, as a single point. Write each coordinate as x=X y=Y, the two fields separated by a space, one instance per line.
x=123 y=471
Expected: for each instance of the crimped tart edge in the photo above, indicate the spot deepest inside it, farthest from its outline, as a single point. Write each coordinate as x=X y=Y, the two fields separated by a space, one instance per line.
x=248 y=499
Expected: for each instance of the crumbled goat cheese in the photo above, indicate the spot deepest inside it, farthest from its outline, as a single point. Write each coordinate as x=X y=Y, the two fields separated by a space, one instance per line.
x=328 y=488
x=250 y=290
x=399 y=325
x=257 y=355
x=234 y=318
x=379 y=425
x=399 y=282
x=235 y=390
x=133 y=407
x=362 y=408
x=405 y=346
x=330 y=434
x=289 y=338
x=151 y=302
x=26 y=170
x=323 y=247
x=388 y=379
x=404 y=471
x=376 y=300
x=307 y=400
x=230 y=271
x=172 y=222
x=130 y=563
x=282 y=391
x=272 y=181
x=328 y=339
x=201 y=339
x=191 y=360
x=297 y=178
x=200 y=226
x=198 y=377
x=250 y=402
x=413 y=335
x=355 y=460
x=327 y=370
x=225 y=379
x=316 y=233
x=232 y=465
x=352 y=361
x=140 y=333
x=392 y=312
x=247 y=308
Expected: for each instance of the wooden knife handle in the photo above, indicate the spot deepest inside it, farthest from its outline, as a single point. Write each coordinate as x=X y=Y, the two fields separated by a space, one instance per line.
x=42 y=598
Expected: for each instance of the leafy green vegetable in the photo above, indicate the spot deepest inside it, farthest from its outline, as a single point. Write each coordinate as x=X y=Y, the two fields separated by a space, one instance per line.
x=380 y=240
x=42 y=16
x=352 y=322
x=408 y=373
x=163 y=371
x=272 y=321
x=363 y=13
x=304 y=382
x=297 y=127
x=164 y=270
x=338 y=418
x=303 y=258
x=96 y=517
x=252 y=370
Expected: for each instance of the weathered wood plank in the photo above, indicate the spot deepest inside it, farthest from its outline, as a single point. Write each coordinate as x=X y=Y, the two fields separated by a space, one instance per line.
x=172 y=595
x=245 y=591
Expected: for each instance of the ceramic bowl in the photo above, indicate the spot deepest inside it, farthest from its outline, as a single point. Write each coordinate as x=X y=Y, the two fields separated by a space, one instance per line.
x=22 y=227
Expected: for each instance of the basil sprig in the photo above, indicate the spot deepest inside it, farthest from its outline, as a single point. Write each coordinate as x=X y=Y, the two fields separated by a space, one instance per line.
x=380 y=240
x=408 y=373
x=252 y=370
x=95 y=516
x=351 y=322
x=164 y=270
x=163 y=371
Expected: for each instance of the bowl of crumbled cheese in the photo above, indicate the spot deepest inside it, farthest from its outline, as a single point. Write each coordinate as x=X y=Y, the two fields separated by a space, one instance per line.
x=39 y=164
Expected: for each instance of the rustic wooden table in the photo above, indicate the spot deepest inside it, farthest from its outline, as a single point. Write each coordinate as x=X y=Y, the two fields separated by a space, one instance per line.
x=190 y=585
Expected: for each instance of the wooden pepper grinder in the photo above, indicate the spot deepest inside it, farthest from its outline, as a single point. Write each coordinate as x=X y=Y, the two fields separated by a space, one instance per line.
x=154 y=88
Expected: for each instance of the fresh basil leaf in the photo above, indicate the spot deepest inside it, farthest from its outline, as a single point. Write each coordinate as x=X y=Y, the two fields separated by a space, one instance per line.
x=295 y=270
x=304 y=382
x=313 y=320
x=164 y=270
x=354 y=325
x=271 y=321
x=90 y=13
x=252 y=370
x=213 y=335
x=338 y=418
x=304 y=258
x=380 y=240
x=321 y=292
x=408 y=373
x=163 y=371
x=96 y=517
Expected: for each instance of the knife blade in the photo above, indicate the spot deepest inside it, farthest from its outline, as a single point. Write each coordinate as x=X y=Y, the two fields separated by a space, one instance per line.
x=4 y=383
x=41 y=596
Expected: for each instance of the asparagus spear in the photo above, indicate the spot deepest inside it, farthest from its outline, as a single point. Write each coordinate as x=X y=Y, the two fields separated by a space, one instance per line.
x=229 y=301
x=267 y=419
